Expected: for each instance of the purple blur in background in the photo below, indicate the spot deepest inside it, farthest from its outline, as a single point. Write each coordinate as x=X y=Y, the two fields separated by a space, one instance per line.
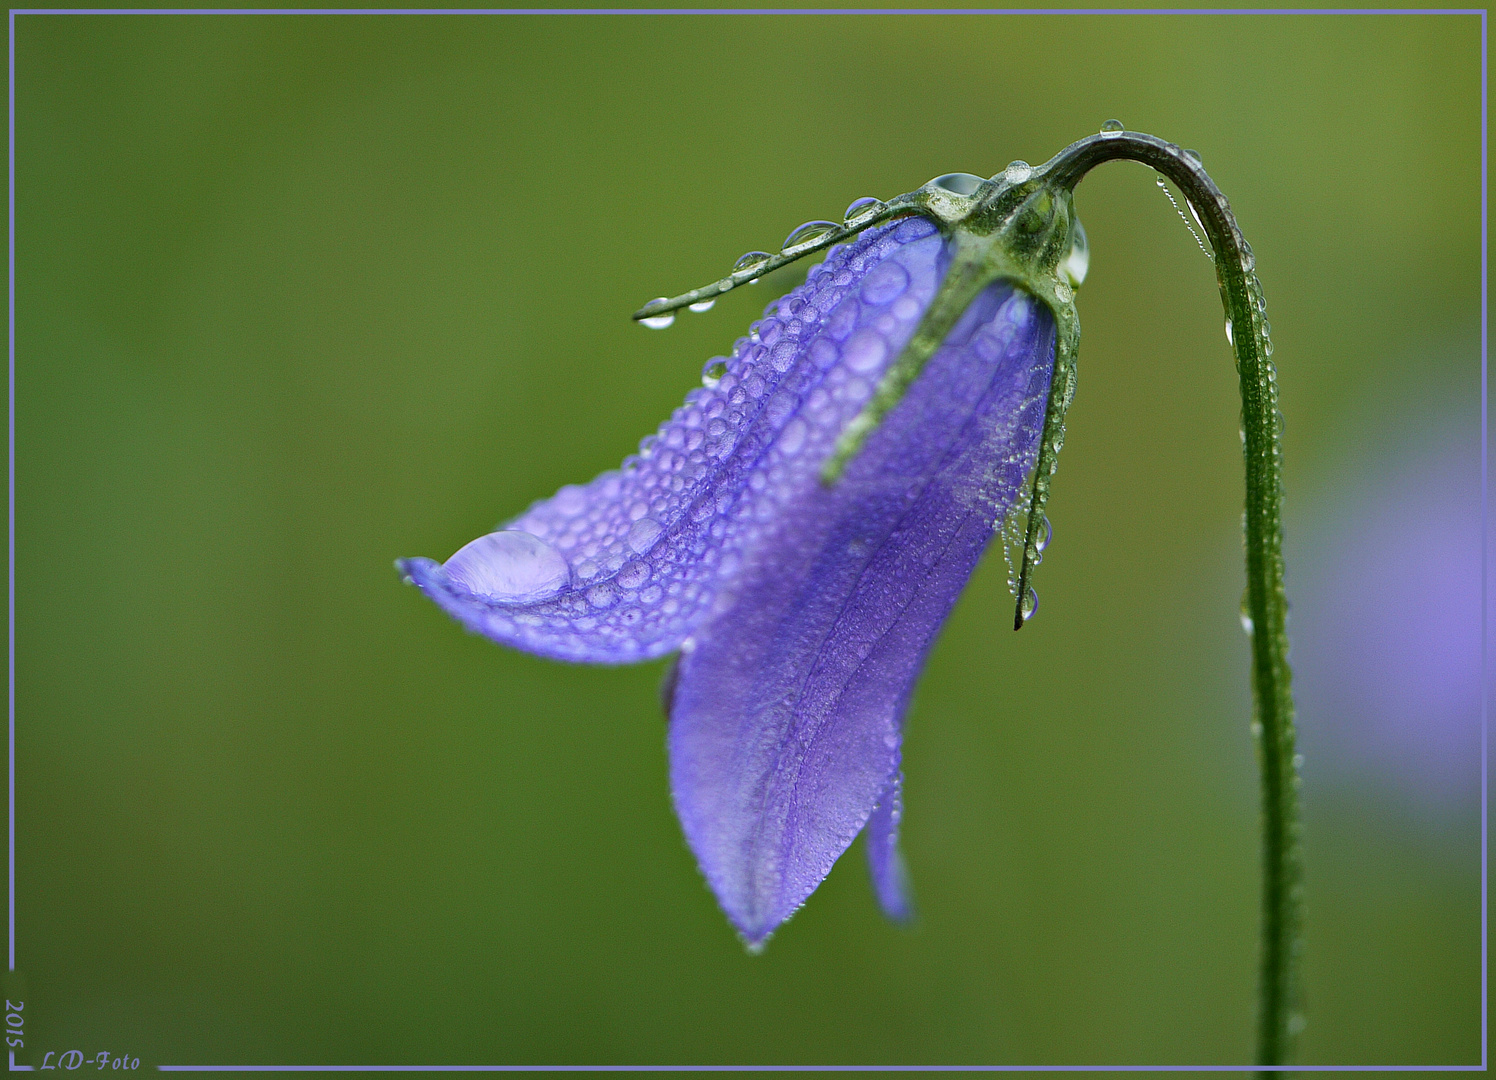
x=1386 y=625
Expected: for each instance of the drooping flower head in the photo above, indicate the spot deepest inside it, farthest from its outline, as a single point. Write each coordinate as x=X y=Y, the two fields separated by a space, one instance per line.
x=801 y=526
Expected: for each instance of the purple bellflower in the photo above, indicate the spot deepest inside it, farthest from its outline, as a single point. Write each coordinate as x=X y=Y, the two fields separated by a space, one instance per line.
x=799 y=529
x=799 y=545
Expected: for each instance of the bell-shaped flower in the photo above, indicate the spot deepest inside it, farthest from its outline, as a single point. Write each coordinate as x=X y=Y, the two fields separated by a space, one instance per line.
x=802 y=604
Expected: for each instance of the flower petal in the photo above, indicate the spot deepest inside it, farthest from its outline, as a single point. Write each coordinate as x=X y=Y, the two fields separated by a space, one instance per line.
x=787 y=712
x=885 y=861
x=626 y=567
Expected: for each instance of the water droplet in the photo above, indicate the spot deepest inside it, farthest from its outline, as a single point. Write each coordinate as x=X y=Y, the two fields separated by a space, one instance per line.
x=1195 y=214
x=1030 y=605
x=633 y=574
x=750 y=260
x=1246 y=622
x=885 y=283
x=811 y=230
x=703 y=305
x=712 y=372
x=1170 y=196
x=1062 y=292
x=865 y=351
x=1043 y=542
x=1246 y=611
x=725 y=285
x=509 y=567
x=1078 y=262
x=793 y=437
x=1017 y=172
x=958 y=183
x=864 y=207
x=1194 y=155
x=1112 y=127
x=658 y=322
x=1229 y=339
x=642 y=535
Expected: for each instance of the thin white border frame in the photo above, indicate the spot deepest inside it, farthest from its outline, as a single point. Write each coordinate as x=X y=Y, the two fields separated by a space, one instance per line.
x=1484 y=494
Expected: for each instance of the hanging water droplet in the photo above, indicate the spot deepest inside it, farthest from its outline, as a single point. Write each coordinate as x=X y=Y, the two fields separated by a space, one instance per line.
x=811 y=230
x=959 y=183
x=1229 y=339
x=1170 y=196
x=1078 y=262
x=1267 y=346
x=1112 y=127
x=1194 y=155
x=750 y=261
x=1043 y=542
x=1030 y=605
x=1195 y=214
x=658 y=322
x=1017 y=172
x=712 y=372
x=509 y=567
x=862 y=208
x=703 y=305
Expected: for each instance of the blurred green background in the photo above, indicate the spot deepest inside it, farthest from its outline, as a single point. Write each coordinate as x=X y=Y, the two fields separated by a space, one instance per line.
x=297 y=295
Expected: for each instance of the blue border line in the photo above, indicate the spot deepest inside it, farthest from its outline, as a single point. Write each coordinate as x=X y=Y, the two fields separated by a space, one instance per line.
x=818 y=1068
x=11 y=469
x=1485 y=561
x=752 y=11
x=1484 y=486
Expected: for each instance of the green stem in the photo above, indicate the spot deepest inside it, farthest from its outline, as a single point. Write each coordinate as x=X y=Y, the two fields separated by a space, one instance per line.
x=1279 y=1018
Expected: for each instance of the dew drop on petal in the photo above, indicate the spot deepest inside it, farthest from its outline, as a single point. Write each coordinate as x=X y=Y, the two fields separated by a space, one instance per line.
x=712 y=372
x=570 y=500
x=509 y=567
x=633 y=574
x=793 y=437
x=865 y=351
x=642 y=535
x=884 y=283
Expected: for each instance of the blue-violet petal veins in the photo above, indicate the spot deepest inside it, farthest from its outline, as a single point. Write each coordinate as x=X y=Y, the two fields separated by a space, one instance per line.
x=647 y=546
x=788 y=708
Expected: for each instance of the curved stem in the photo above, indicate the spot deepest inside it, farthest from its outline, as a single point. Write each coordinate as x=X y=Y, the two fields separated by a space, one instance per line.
x=1279 y=1019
